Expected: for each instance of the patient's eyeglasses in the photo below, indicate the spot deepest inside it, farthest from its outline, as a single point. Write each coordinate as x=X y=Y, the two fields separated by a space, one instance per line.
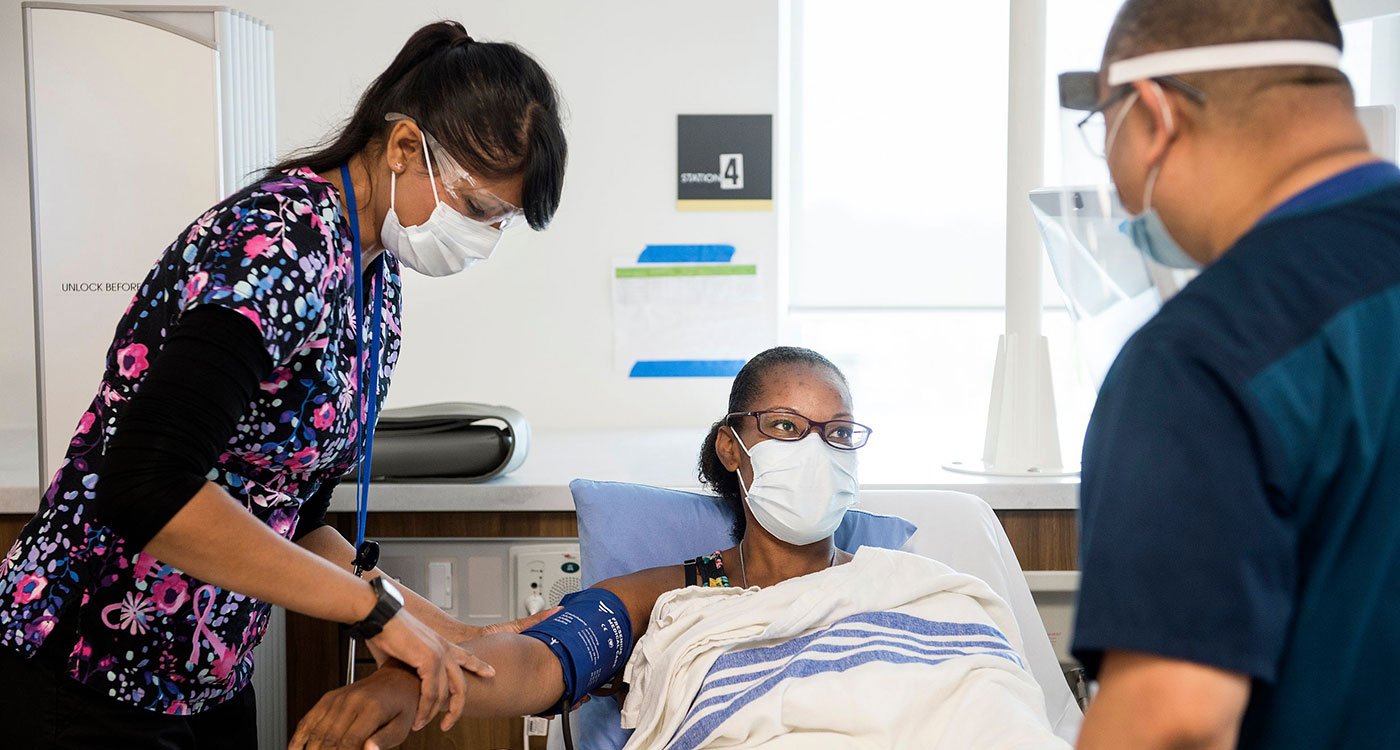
x=842 y=434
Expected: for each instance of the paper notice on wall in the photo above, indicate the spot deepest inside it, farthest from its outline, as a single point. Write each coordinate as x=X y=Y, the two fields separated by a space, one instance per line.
x=686 y=311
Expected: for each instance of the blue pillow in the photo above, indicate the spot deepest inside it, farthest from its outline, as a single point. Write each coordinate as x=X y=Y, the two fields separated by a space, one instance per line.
x=624 y=528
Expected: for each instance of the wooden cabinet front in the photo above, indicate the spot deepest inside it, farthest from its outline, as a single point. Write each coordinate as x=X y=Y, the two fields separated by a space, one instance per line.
x=316 y=650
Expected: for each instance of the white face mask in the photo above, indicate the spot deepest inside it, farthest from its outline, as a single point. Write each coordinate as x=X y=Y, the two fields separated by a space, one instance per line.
x=446 y=243
x=801 y=489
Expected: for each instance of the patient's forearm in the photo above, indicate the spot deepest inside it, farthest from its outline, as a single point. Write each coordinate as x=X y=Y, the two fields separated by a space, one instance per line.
x=529 y=679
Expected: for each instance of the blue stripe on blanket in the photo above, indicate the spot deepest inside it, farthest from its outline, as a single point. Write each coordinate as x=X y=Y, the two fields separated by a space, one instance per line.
x=697 y=733
x=715 y=693
x=891 y=620
x=836 y=648
x=893 y=624
x=918 y=641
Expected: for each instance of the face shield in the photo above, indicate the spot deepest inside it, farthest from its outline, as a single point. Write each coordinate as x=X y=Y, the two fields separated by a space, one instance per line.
x=1109 y=285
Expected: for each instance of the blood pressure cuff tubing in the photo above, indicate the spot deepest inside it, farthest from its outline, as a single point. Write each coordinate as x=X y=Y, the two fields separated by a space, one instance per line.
x=591 y=637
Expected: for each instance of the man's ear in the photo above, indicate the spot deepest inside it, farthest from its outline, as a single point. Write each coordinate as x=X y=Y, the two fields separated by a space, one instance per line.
x=1166 y=124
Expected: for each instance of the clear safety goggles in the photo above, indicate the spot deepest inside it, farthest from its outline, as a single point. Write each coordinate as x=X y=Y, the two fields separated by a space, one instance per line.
x=474 y=202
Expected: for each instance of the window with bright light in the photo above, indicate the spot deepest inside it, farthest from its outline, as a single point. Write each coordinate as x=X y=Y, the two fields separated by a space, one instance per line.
x=899 y=226
x=900 y=188
x=898 y=234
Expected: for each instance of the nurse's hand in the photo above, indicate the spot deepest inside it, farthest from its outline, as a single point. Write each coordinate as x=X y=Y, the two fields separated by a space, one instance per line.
x=468 y=633
x=461 y=633
x=373 y=713
x=438 y=663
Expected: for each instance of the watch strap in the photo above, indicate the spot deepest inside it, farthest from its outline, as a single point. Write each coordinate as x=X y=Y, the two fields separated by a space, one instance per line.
x=385 y=607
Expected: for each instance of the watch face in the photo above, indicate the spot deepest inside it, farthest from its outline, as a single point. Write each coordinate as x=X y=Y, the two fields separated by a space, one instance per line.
x=392 y=590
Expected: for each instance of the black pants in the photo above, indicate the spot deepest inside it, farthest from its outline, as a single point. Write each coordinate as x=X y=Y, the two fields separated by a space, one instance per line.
x=42 y=708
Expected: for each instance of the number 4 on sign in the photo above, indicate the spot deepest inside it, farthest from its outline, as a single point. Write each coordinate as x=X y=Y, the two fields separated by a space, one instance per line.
x=731 y=170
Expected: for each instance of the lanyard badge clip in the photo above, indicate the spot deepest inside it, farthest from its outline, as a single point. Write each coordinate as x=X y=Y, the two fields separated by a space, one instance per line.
x=366 y=557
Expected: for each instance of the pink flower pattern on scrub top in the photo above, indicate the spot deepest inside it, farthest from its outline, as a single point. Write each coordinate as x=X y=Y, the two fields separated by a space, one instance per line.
x=277 y=252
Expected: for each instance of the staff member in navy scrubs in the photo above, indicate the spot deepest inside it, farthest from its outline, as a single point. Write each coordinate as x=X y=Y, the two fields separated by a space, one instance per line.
x=240 y=385
x=1241 y=488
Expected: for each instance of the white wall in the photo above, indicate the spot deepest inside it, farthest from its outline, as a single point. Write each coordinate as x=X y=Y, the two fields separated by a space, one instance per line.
x=1353 y=10
x=532 y=328
x=18 y=398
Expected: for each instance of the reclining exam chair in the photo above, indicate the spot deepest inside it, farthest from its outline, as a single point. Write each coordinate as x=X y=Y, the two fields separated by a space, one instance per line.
x=624 y=528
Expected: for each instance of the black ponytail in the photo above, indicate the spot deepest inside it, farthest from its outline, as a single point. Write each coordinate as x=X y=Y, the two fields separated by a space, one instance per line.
x=489 y=103
x=747 y=387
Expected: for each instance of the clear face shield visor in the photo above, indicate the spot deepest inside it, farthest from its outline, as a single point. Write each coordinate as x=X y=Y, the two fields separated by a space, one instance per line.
x=1109 y=285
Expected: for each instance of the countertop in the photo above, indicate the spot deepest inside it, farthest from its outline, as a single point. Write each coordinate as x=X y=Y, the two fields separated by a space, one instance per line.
x=667 y=458
x=660 y=457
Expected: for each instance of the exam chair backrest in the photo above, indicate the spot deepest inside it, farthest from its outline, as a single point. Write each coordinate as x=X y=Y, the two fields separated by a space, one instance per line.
x=961 y=531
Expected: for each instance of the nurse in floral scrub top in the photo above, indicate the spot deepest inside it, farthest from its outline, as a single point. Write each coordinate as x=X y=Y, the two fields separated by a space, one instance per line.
x=193 y=493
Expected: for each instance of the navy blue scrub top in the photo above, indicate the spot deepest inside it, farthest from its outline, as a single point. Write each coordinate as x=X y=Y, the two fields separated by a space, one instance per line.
x=1240 y=504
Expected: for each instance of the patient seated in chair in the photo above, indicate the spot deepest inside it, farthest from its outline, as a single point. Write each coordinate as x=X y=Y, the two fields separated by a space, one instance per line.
x=782 y=640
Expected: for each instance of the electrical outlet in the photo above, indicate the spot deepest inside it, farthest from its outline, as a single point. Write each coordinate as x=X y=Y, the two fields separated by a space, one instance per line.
x=441 y=583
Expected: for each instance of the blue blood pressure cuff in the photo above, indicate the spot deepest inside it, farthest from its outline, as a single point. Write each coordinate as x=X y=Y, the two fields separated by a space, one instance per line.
x=591 y=637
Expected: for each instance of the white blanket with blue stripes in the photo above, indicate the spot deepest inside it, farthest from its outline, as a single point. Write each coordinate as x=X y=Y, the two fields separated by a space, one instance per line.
x=891 y=650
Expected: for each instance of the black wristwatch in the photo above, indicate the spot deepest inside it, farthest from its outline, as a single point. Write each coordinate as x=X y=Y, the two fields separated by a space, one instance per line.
x=389 y=604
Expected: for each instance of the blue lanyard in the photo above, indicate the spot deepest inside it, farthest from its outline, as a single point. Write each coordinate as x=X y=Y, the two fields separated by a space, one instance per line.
x=367 y=398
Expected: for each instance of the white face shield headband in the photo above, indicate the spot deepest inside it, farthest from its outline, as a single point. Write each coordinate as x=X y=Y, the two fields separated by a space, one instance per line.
x=1079 y=90
x=1218 y=57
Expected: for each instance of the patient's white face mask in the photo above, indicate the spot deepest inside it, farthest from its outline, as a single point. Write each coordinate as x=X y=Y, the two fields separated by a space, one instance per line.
x=801 y=489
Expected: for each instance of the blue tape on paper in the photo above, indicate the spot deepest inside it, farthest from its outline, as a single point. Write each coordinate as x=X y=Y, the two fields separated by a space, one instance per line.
x=687 y=368
x=686 y=254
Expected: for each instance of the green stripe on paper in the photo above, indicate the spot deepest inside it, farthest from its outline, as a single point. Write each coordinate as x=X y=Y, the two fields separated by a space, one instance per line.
x=717 y=270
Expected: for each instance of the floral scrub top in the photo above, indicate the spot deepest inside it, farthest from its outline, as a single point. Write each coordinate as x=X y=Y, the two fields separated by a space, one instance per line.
x=279 y=253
